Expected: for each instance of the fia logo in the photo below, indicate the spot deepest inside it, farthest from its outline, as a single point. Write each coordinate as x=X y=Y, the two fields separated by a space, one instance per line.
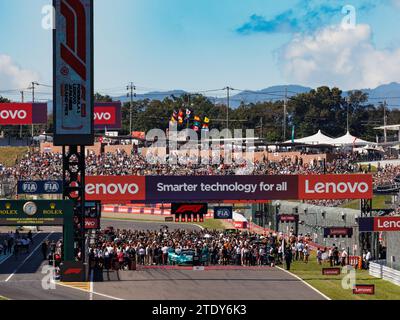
x=51 y=187
x=223 y=213
x=29 y=187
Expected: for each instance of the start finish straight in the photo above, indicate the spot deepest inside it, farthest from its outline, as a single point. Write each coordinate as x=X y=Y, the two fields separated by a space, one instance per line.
x=216 y=187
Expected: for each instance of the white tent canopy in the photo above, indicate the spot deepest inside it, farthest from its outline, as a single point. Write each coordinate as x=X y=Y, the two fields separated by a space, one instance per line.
x=318 y=138
x=238 y=217
x=349 y=139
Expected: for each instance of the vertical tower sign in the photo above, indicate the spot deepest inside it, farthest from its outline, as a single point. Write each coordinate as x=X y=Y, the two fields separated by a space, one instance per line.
x=73 y=73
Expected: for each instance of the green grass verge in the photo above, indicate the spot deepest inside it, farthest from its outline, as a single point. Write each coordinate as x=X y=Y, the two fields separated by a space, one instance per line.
x=3 y=298
x=378 y=202
x=8 y=155
x=332 y=285
x=212 y=224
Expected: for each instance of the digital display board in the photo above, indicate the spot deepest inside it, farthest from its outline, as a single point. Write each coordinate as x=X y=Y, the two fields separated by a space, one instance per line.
x=73 y=73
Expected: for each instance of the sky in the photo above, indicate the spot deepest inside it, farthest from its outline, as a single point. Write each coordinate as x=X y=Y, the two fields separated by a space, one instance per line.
x=198 y=45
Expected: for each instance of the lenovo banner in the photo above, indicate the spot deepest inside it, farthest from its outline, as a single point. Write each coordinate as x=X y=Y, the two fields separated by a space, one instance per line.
x=23 y=113
x=331 y=271
x=156 y=189
x=115 y=188
x=379 y=224
x=73 y=73
x=343 y=186
x=209 y=188
x=341 y=232
x=288 y=217
x=364 y=289
x=107 y=115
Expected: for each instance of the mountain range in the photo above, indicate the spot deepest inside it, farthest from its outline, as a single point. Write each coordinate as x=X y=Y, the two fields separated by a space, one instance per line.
x=389 y=92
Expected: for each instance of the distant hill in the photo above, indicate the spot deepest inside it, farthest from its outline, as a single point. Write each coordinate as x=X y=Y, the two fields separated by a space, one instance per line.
x=154 y=95
x=269 y=94
x=389 y=91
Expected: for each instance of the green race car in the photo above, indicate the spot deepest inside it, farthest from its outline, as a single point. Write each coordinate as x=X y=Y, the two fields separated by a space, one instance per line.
x=185 y=257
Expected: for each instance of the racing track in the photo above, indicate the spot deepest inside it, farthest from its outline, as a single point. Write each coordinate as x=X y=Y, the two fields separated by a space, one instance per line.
x=22 y=279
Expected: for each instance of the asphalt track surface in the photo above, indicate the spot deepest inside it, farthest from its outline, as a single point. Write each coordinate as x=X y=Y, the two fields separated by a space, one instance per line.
x=21 y=279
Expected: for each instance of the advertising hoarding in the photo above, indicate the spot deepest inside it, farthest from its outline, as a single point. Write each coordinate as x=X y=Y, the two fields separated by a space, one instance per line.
x=340 y=186
x=338 y=232
x=379 y=224
x=288 y=217
x=107 y=115
x=73 y=73
x=156 y=189
x=23 y=113
x=115 y=188
x=35 y=213
x=40 y=187
x=223 y=213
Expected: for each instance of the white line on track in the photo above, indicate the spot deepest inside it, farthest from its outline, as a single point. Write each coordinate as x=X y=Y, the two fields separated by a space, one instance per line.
x=83 y=290
x=307 y=284
x=91 y=285
x=26 y=259
x=1 y=262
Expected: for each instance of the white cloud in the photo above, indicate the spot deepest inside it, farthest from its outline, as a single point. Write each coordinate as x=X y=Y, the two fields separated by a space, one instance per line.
x=340 y=57
x=13 y=76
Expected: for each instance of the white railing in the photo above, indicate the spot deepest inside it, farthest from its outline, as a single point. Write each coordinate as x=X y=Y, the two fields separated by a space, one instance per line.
x=378 y=269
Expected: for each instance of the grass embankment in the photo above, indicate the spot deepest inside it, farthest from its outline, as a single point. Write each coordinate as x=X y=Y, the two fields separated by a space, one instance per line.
x=9 y=155
x=3 y=298
x=332 y=285
x=378 y=202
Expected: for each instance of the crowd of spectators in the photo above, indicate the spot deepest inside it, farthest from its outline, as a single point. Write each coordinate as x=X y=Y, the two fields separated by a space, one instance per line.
x=120 y=249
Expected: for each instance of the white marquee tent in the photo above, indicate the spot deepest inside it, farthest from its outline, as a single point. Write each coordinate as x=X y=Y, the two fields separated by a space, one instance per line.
x=318 y=138
x=349 y=140
x=346 y=140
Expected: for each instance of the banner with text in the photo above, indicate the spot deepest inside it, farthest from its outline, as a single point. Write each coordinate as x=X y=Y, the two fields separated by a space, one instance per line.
x=157 y=189
x=23 y=113
x=107 y=115
x=379 y=224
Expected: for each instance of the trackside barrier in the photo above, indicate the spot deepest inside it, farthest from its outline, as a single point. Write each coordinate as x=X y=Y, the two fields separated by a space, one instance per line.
x=142 y=210
x=378 y=269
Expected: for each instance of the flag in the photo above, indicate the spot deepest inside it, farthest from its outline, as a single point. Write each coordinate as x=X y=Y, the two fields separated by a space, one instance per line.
x=188 y=114
x=206 y=120
x=180 y=117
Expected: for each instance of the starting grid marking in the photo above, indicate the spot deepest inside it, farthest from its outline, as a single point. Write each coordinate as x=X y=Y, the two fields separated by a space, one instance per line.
x=85 y=286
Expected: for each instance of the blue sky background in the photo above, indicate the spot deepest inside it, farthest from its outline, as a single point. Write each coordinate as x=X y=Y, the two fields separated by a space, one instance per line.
x=200 y=44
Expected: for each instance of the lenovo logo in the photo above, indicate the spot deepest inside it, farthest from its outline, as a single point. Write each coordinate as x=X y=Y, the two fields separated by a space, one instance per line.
x=102 y=116
x=387 y=224
x=332 y=187
x=111 y=188
x=13 y=114
x=115 y=188
x=335 y=187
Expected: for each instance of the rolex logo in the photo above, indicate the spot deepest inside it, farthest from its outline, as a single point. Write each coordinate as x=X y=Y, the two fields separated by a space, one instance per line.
x=52 y=206
x=8 y=206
